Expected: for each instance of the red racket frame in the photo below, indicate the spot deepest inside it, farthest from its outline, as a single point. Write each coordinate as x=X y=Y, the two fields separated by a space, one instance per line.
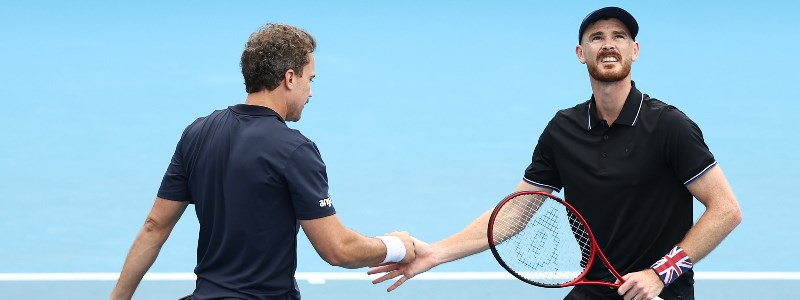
x=595 y=249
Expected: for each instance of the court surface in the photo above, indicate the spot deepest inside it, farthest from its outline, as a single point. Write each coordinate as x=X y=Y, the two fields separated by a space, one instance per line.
x=423 y=125
x=361 y=290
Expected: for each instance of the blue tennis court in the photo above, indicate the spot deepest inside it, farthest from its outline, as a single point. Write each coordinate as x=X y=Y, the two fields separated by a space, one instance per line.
x=426 y=115
x=450 y=289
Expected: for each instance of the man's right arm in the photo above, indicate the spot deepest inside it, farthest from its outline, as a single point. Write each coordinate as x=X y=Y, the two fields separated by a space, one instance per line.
x=469 y=241
x=343 y=247
x=472 y=239
x=155 y=231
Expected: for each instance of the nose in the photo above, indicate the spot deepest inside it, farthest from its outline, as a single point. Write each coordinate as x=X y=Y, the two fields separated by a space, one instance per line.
x=608 y=47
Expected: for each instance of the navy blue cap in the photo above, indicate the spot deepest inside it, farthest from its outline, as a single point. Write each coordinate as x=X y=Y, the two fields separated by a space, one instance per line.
x=607 y=13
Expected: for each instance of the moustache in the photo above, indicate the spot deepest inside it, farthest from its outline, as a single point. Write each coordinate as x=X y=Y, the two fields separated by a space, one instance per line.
x=607 y=53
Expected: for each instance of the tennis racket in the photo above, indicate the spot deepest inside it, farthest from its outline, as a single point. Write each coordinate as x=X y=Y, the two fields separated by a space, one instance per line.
x=542 y=240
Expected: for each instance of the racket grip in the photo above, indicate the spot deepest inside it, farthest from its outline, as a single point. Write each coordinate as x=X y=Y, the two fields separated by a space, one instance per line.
x=657 y=298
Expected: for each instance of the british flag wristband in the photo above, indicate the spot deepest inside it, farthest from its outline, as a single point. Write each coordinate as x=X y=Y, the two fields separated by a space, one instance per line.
x=672 y=265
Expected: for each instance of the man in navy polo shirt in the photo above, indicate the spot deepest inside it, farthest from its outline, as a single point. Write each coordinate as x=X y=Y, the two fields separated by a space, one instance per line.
x=631 y=165
x=254 y=182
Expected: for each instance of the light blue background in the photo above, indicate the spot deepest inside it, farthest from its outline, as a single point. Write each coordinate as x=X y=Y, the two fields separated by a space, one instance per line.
x=426 y=113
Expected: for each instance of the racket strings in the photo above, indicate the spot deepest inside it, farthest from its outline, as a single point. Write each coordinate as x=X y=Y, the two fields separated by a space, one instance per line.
x=541 y=240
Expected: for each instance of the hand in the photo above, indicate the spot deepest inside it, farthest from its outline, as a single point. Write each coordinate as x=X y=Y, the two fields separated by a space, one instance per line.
x=425 y=260
x=640 y=285
x=408 y=243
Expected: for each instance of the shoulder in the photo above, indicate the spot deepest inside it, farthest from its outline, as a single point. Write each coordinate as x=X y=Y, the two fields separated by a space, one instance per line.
x=664 y=113
x=295 y=139
x=655 y=105
x=298 y=136
x=214 y=115
x=571 y=117
x=291 y=143
x=667 y=120
x=198 y=126
x=580 y=110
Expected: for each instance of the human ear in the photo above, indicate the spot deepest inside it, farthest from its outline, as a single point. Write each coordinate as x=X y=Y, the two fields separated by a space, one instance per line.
x=579 y=53
x=288 y=78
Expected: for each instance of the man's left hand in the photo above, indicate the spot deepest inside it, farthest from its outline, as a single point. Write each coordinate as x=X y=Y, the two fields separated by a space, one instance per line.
x=642 y=285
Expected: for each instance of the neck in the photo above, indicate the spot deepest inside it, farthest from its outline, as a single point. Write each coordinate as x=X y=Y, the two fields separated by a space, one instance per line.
x=268 y=99
x=610 y=97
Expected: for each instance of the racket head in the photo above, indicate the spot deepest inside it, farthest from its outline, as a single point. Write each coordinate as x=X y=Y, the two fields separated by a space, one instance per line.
x=541 y=240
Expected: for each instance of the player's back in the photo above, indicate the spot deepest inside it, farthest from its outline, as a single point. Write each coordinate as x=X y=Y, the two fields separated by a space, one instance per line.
x=235 y=161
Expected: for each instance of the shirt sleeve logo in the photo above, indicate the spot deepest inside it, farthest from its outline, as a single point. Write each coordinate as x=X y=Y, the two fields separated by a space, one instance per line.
x=326 y=202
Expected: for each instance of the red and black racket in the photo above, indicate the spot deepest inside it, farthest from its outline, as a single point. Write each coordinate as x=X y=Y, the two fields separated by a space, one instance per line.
x=542 y=240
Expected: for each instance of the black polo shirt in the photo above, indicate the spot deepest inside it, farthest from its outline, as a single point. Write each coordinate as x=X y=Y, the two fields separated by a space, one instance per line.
x=251 y=178
x=628 y=180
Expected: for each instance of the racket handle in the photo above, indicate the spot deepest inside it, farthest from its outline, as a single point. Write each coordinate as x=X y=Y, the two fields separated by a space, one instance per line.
x=657 y=298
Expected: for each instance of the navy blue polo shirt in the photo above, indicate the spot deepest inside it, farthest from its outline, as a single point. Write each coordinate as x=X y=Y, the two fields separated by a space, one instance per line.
x=251 y=178
x=628 y=180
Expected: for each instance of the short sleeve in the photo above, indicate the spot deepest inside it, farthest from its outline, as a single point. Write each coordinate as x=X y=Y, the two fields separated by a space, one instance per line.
x=307 y=180
x=175 y=184
x=685 y=149
x=542 y=171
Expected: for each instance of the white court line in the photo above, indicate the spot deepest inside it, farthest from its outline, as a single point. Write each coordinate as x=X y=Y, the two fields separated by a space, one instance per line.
x=322 y=277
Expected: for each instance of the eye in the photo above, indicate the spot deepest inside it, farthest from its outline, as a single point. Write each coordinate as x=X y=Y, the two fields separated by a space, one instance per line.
x=596 y=38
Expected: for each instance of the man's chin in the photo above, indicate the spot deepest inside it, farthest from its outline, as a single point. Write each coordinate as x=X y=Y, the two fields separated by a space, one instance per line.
x=608 y=73
x=608 y=76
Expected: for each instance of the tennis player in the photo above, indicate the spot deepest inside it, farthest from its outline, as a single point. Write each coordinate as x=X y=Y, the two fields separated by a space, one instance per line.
x=631 y=165
x=254 y=182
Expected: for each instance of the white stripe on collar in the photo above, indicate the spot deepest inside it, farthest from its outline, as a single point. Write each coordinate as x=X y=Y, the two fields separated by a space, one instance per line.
x=589 y=116
x=638 y=111
x=589 y=113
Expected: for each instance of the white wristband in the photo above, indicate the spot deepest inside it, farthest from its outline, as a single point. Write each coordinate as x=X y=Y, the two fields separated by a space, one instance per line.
x=395 y=250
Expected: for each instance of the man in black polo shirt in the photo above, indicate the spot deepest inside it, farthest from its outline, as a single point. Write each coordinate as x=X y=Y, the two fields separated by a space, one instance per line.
x=631 y=165
x=254 y=182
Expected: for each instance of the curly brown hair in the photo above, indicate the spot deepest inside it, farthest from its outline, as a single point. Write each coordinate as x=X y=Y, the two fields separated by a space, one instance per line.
x=271 y=51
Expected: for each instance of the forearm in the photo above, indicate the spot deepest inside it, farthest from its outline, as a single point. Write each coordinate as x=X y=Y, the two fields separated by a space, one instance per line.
x=709 y=231
x=722 y=214
x=358 y=251
x=141 y=256
x=471 y=240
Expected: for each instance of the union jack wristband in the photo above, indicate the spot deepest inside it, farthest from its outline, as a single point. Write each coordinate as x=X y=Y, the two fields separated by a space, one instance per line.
x=672 y=265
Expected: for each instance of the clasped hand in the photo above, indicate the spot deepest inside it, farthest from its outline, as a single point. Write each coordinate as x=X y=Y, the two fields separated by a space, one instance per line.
x=422 y=259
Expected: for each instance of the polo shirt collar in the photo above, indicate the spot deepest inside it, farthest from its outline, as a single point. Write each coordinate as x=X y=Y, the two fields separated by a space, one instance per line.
x=628 y=116
x=254 y=110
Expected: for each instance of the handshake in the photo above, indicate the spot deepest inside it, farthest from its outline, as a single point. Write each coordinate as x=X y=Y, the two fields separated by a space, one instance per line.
x=406 y=256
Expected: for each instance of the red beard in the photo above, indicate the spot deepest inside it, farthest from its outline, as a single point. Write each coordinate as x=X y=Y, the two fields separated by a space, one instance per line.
x=599 y=73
